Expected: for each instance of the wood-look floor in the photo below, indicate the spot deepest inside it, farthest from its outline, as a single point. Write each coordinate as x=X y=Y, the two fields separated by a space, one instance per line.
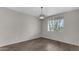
x=40 y=44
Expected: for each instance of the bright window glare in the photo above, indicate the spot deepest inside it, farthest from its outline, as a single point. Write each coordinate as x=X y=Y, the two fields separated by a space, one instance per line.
x=56 y=25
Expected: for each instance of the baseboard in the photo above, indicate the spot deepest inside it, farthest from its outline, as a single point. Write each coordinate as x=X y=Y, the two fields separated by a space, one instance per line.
x=21 y=42
x=59 y=41
x=40 y=38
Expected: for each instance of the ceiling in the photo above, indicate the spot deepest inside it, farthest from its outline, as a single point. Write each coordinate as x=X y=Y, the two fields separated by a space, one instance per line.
x=47 y=11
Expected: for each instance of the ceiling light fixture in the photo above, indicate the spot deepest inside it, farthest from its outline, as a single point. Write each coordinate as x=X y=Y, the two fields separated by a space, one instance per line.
x=42 y=16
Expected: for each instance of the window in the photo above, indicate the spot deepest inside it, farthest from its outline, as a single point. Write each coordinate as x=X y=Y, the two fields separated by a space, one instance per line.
x=56 y=24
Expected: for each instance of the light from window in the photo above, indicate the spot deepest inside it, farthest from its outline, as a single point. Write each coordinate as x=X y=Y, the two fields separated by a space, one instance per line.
x=56 y=24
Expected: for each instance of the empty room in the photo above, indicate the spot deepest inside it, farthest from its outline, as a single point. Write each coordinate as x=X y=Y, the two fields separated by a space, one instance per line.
x=39 y=29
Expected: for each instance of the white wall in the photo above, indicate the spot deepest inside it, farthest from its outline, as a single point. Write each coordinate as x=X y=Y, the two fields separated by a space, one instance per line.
x=31 y=28
x=16 y=27
x=71 y=29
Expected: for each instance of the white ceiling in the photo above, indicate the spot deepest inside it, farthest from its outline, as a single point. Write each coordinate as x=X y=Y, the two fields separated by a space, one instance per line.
x=47 y=11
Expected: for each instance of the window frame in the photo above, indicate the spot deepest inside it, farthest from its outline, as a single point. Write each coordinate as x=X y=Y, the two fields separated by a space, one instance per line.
x=55 y=18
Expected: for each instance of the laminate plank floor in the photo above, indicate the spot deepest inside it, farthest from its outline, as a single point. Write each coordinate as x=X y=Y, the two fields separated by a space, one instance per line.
x=40 y=44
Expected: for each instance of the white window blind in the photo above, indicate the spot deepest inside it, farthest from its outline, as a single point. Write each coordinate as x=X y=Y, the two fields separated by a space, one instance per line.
x=56 y=24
